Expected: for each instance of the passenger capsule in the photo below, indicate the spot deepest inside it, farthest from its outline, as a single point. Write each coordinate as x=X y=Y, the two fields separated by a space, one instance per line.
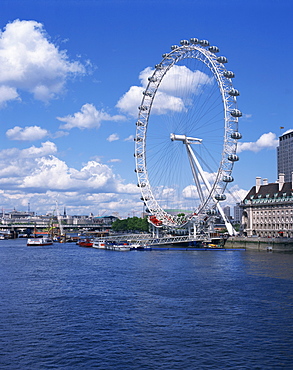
x=194 y=40
x=222 y=60
x=164 y=55
x=147 y=93
x=139 y=123
x=152 y=79
x=214 y=49
x=174 y=47
x=204 y=42
x=138 y=155
x=236 y=113
x=184 y=42
x=158 y=66
x=236 y=135
x=220 y=197
x=229 y=74
x=142 y=108
x=138 y=139
x=233 y=158
x=234 y=92
x=142 y=185
x=211 y=212
x=139 y=170
x=228 y=179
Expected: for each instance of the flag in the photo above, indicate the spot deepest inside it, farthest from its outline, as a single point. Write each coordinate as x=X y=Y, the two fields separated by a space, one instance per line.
x=281 y=127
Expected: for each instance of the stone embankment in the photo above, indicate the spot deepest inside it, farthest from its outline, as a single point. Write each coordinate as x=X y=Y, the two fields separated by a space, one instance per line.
x=261 y=244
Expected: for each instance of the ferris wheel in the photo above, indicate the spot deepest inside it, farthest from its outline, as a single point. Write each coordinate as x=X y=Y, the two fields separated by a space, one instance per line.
x=186 y=134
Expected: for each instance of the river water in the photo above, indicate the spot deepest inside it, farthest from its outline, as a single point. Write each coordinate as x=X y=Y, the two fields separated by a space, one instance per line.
x=67 y=307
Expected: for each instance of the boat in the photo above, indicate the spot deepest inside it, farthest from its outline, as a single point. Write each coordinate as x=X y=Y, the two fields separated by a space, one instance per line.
x=118 y=247
x=35 y=242
x=99 y=244
x=112 y=245
x=85 y=242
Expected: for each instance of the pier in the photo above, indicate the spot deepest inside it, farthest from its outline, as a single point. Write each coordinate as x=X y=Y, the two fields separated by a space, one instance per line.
x=148 y=240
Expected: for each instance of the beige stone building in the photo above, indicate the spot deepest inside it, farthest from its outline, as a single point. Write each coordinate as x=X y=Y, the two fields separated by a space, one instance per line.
x=268 y=209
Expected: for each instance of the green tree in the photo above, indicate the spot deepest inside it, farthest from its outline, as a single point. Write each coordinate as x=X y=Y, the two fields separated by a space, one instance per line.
x=131 y=224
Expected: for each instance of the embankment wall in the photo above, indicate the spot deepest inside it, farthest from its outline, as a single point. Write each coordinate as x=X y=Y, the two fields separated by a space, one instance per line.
x=261 y=244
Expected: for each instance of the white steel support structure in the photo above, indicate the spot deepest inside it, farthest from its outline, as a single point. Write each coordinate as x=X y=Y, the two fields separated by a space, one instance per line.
x=197 y=170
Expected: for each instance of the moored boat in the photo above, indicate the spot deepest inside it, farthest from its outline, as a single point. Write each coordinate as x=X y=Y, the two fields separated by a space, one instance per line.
x=38 y=242
x=99 y=244
x=86 y=242
x=112 y=245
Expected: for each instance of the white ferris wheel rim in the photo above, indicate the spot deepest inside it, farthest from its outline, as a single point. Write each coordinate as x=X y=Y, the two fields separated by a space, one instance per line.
x=201 y=51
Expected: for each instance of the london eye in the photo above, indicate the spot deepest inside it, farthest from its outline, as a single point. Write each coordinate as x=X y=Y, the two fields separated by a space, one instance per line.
x=186 y=134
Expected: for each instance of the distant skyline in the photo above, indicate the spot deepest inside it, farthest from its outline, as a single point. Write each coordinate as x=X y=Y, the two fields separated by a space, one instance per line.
x=69 y=76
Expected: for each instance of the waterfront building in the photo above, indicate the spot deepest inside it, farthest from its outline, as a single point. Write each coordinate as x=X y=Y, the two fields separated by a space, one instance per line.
x=268 y=209
x=237 y=213
x=285 y=155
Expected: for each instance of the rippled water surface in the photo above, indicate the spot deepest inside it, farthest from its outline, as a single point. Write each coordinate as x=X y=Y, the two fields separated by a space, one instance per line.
x=67 y=307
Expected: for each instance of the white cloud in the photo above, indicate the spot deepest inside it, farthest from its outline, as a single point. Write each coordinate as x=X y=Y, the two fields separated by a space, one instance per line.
x=30 y=62
x=113 y=137
x=168 y=98
x=46 y=148
x=129 y=138
x=234 y=195
x=130 y=101
x=29 y=133
x=190 y=192
x=88 y=117
x=114 y=160
x=266 y=141
x=7 y=93
x=38 y=170
x=16 y=164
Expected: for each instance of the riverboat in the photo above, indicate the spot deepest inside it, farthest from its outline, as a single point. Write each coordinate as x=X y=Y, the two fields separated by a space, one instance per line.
x=39 y=242
x=122 y=246
x=86 y=242
x=99 y=244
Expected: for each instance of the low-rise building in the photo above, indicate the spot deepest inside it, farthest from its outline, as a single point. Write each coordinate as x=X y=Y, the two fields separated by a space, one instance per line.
x=268 y=209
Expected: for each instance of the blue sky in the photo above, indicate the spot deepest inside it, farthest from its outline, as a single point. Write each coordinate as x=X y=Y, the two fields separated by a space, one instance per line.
x=64 y=66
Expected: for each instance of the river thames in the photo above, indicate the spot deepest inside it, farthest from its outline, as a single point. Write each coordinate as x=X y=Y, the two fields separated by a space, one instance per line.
x=67 y=307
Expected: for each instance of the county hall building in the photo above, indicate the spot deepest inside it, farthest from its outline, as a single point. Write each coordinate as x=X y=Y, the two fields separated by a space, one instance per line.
x=268 y=209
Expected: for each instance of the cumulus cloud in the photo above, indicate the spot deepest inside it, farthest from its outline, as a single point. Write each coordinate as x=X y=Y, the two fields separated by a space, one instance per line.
x=38 y=169
x=7 y=93
x=88 y=117
x=113 y=137
x=29 y=133
x=168 y=97
x=30 y=62
x=266 y=141
x=16 y=164
x=46 y=148
x=129 y=138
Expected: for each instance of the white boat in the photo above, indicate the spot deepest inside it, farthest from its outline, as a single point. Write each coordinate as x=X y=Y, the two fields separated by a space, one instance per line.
x=119 y=247
x=111 y=245
x=99 y=244
x=35 y=242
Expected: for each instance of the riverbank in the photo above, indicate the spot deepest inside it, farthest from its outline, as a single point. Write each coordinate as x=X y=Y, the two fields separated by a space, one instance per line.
x=261 y=244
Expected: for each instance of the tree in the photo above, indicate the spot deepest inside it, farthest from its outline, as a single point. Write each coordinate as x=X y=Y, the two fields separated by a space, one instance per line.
x=131 y=224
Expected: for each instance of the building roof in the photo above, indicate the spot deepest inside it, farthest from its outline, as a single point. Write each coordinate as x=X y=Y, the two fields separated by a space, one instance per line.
x=270 y=191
